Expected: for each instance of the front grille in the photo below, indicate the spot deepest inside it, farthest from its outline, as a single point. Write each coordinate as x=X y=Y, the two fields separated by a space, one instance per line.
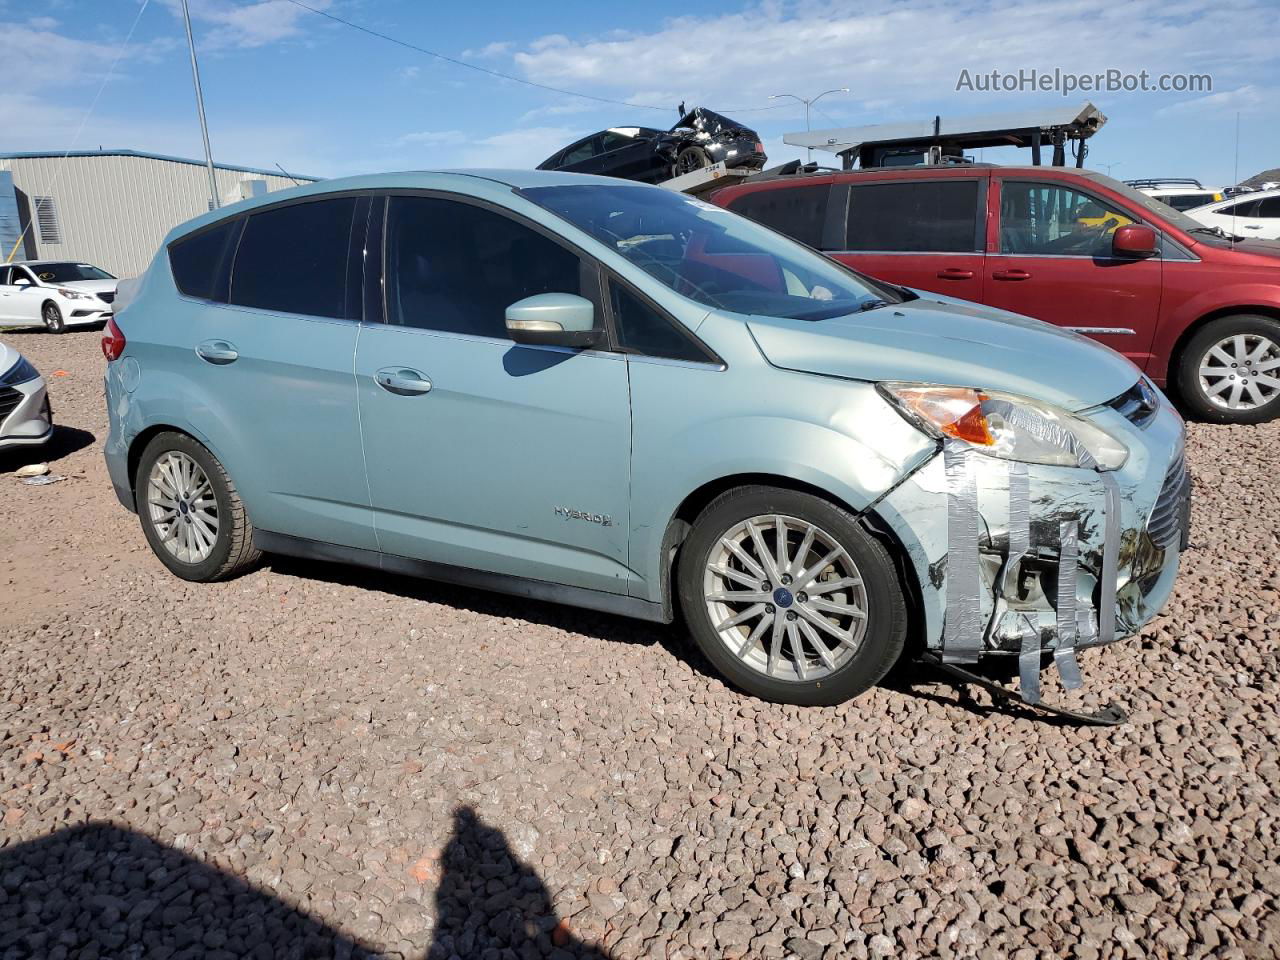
x=1138 y=404
x=107 y=297
x=9 y=400
x=1171 y=515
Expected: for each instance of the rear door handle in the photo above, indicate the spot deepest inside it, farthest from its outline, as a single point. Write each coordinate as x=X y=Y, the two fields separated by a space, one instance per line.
x=217 y=351
x=955 y=273
x=404 y=381
x=1014 y=274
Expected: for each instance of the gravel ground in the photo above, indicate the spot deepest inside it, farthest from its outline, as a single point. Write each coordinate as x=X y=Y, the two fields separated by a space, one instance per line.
x=313 y=760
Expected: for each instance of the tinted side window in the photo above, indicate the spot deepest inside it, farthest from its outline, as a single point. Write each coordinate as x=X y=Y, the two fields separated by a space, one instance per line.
x=799 y=212
x=456 y=267
x=642 y=329
x=201 y=262
x=294 y=259
x=1055 y=220
x=583 y=151
x=1268 y=207
x=4 y=276
x=1247 y=208
x=927 y=216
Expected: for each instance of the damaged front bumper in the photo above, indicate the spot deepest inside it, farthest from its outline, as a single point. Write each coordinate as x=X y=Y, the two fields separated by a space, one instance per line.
x=1010 y=557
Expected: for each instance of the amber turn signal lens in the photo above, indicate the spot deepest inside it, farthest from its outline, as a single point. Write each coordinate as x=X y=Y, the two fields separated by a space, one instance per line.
x=954 y=412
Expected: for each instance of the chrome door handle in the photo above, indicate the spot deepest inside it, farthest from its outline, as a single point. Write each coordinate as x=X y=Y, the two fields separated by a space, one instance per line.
x=955 y=273
x=1014 y=274
x=403 y=381
x=217 y=351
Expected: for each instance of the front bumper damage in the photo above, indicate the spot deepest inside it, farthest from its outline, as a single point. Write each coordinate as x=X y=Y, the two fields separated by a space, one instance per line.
x=1038 y=562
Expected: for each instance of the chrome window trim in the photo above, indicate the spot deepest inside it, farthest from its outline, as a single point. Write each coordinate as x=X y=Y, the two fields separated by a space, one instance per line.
x=903 y=253
x=1120 y=331
x=496 y=341
x=707 y=365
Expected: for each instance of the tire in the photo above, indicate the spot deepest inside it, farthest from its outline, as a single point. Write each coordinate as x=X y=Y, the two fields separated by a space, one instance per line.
x=1247 y=343
x=875 y=640
x=52 y=318
x=183 y=543
x=690 y=159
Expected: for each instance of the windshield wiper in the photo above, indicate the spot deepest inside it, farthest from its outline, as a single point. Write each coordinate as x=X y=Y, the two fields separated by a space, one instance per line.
x=872 y=303
x=1215 y=232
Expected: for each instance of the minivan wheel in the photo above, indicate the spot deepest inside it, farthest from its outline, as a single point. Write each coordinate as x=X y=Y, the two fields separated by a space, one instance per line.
x=52 y=316
x=191 y=514
x=789 y=598
x=1230 y=371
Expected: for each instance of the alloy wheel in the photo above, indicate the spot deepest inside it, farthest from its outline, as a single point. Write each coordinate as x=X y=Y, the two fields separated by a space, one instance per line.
x=786 y=598
x=182 y=507
x=52 y=318
x=1241 y=372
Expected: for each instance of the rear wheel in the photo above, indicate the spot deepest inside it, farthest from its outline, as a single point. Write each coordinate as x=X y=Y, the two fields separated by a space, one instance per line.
x=691 y=159
x=1230 y=370
x=790 y=598
x=52 y=317
x=191 y=514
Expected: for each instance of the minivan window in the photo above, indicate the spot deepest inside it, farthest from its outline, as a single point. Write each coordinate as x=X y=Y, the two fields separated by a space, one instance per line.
x=456 y=266
x=1043 y=219
x=799 y=212
x=914 y=216
x=710 y=255
x=201 y=262
x=293 y=259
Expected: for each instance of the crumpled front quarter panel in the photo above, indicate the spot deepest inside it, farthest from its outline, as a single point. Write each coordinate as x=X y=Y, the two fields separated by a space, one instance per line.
x=695 y=424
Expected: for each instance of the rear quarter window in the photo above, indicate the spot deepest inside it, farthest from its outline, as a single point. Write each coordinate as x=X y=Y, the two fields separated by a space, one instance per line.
x=798 y=212
x=201 y=262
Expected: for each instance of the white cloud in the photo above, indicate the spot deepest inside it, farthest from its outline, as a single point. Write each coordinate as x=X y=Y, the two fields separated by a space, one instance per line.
x=489 y=50
x=253 y=24
x=892 y=54
x=526 y=147
x=1246 y=99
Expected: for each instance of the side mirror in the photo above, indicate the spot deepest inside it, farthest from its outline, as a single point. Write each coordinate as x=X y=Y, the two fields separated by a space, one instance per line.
x=1134 y=242
x=22 y=282
x=555 y=320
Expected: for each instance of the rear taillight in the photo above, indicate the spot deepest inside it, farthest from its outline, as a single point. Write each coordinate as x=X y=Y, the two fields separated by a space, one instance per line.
x=759 y=147
x=112 y=341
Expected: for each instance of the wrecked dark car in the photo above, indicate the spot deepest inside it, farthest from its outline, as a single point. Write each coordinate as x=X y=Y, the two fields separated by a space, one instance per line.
x=699 y=139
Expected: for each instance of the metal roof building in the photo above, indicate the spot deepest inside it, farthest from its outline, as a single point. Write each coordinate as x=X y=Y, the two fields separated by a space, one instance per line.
x=111 y=208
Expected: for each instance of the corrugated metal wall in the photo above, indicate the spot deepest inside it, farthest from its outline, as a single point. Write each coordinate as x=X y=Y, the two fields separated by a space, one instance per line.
x=115 y=210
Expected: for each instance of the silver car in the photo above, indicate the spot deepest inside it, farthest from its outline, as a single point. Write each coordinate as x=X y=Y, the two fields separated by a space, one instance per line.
x=607 y=394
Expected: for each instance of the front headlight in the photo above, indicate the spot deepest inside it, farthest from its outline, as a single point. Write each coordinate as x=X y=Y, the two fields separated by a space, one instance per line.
x=20 y=372
x=1006 y=425
x=73 y=295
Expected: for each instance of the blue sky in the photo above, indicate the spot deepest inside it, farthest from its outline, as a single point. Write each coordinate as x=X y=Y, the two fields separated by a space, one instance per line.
x=283 y=85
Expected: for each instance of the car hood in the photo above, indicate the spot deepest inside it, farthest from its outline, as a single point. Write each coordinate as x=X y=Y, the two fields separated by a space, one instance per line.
x=89 y=286
x=950 y=343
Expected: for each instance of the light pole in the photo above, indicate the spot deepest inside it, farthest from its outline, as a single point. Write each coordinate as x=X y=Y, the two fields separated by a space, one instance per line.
x=807 y=104
x=204 y=127
x=1110 y=165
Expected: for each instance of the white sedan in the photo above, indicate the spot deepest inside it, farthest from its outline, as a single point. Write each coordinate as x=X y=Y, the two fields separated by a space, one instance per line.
x=57 y=293
x=25 y=416
x=1255 y=216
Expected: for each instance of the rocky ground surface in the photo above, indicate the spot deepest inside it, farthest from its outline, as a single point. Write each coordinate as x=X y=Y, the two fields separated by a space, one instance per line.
x=316 y=761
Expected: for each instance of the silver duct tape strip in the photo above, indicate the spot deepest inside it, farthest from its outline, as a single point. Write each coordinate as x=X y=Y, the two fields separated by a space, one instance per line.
x=1110 y=561
x=962 y=638
x=1029 y=661
x=1068 y=565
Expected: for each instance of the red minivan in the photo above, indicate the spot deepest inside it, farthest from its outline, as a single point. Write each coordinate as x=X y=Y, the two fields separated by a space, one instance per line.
x=1197 y=310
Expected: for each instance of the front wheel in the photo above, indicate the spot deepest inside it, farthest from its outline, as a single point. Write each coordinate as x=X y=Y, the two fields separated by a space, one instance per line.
x=789 y=598
x=52 y=317
x=191 y=513
x=1230 y=370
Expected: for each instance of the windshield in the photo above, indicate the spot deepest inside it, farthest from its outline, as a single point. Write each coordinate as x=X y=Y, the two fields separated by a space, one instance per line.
x=712 y=256
x=69 y=272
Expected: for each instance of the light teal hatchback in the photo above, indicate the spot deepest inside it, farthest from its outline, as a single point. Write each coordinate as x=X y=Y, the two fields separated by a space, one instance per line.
x=612 y=395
